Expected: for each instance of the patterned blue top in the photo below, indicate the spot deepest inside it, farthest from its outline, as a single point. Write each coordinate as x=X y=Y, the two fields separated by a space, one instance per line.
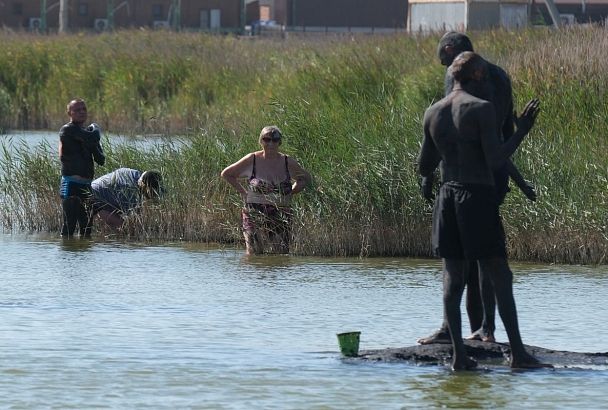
x=118 y=189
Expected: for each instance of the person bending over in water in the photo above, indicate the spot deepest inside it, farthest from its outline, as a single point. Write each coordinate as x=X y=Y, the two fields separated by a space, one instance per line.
x=272 y=179
x=460 y=137
x=495 y=88
x=78 y=148
x=123 y=191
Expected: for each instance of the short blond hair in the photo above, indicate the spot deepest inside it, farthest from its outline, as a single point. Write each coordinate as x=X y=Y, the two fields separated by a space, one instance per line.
x=272 y=131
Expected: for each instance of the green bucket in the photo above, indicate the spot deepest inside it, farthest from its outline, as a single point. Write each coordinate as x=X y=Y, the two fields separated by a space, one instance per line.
x=349 y=343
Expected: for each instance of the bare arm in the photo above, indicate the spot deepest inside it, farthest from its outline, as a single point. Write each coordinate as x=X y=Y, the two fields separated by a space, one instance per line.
x=522 y=184
x=233 y=172
x=498 y=153
x=428 y=158
x=301 y=177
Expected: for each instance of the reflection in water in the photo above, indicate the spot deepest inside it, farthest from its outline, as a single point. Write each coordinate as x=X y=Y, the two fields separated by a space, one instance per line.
x=76 y=244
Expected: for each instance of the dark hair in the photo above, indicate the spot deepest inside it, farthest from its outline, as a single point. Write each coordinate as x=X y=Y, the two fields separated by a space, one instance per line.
x=465 y=65
x=459 y=41
x=151 y=184
x=75 y=101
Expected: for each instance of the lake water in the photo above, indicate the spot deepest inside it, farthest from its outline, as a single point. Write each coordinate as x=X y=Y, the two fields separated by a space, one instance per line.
x=34 y=138
x=103 y=324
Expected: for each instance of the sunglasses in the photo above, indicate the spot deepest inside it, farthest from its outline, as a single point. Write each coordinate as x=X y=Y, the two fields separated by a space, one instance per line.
x=273 y=139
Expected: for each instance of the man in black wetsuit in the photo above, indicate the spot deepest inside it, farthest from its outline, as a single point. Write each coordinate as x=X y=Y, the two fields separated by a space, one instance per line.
x=460 y=137
x=78 y=148
x=496 y=88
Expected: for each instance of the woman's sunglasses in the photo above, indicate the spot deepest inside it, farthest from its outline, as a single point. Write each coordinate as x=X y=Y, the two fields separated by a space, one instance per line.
x=274 y=138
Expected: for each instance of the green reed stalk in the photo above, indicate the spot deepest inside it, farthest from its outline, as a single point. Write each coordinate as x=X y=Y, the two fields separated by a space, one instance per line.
x=351 y=111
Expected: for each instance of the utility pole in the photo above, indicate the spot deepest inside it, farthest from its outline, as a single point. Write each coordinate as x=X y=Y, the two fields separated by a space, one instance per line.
x=110 y=15
x=176 y=15
x=63 y=16
x=243 y=16
x=43 y=16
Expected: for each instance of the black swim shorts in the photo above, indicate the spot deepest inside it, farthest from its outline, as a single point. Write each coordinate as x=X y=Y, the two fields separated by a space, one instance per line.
x=467 y=223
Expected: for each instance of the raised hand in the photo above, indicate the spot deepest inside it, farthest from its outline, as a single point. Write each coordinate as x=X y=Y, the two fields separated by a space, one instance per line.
x=525 y=121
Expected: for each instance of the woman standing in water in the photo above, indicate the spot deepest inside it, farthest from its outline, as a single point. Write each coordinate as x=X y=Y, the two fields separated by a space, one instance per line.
x=267 y=180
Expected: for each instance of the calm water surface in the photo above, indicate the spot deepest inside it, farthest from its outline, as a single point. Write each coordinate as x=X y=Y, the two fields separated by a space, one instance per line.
x=33 y=139
x=100 y=324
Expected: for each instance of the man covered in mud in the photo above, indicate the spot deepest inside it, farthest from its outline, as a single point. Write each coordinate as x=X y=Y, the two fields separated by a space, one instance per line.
x=79 y=148
x=460 y=136
x=496 y=88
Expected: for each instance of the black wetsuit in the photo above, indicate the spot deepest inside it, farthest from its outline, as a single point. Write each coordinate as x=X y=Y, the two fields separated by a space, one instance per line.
x=79 y=148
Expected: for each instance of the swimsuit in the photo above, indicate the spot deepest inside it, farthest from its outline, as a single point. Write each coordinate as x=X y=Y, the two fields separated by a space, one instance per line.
x=264 y=187
x=275 y=220
x=467 y=223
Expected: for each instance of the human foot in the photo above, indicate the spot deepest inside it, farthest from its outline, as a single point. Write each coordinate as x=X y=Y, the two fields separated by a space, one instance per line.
x=527 y=361
x=440 y=336
x=466 y=364
x=482 y=335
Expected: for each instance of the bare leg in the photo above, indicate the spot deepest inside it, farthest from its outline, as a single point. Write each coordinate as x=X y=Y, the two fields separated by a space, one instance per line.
x=488 y=325
x=111 y=218
x=454 y=276
x=485 y=332
x=473 y=300
x=502 y=278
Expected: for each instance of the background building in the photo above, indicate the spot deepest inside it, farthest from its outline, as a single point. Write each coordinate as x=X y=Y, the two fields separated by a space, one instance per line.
x=218 y=15
x=310 y=15
x=441 y=15
x=571 y=11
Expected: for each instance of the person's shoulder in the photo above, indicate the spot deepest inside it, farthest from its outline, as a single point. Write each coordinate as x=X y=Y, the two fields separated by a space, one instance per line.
x=472 y=103
x=432 y=113
x=66 y=127
x=496 y=72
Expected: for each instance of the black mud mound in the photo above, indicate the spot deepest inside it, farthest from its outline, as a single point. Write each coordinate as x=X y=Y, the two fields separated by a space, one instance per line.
x=483 y=352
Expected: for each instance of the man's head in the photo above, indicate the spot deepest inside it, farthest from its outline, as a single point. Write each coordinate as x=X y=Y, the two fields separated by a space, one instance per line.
x=150 y=184
x=468 y=67
x=77 y=111
x=450 y=45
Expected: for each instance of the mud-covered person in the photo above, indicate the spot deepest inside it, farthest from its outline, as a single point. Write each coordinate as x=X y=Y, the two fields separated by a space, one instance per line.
x=496 y=88
x=79 y=148
x=460 y=137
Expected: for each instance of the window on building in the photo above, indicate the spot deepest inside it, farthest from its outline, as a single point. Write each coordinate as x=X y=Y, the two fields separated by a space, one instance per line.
x=18 y=9
x=83 y=8
x=157 y=12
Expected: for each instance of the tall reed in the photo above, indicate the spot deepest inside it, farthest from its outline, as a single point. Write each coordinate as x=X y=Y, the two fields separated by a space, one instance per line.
x=350 y=109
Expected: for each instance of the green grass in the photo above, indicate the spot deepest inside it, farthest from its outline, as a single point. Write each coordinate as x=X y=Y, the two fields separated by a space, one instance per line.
x=350 y=109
